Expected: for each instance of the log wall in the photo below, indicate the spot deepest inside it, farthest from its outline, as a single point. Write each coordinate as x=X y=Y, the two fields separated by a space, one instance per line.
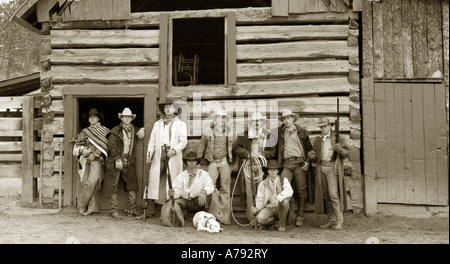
x=303 y=62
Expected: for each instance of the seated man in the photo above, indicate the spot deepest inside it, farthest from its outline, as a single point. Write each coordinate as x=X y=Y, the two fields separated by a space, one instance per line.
x=190 y=188
x=272 y=198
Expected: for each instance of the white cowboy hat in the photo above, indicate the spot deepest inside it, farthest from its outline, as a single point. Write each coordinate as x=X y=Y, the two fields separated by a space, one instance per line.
x=221 y=112
x=257 y=116
x=288 y=112
x=127 y=112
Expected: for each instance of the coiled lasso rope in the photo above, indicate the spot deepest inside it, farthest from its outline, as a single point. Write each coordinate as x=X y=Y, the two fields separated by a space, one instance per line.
x=259 y=160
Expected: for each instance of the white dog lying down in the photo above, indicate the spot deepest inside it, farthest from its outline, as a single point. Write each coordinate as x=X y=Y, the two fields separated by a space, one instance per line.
x=204 y=221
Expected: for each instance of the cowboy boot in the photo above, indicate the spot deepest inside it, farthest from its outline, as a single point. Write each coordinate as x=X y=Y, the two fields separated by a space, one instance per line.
x=301 y=212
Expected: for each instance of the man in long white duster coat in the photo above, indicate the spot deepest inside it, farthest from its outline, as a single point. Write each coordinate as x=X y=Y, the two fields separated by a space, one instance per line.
x=169 y=130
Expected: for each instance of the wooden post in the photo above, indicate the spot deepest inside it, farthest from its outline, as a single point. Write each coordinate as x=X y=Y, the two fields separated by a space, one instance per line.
x=369 y=160
x=28 y=193
x=231 y=49
x=60 y=175
x=68 y=134
x=163 y=55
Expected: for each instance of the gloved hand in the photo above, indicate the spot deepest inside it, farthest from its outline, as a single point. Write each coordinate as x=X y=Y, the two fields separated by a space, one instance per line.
x=119 y=164
x=312 y=155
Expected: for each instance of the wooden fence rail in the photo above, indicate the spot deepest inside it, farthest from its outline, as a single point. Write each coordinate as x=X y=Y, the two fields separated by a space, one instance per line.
x=17 y=143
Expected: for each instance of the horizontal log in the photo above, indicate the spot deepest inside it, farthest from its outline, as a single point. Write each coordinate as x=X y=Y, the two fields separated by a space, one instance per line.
x=273 y=107
x=10 y=146
x=243 y=16
x=10 y=157
x=11 y=102
x=290 y=32
x=103 y=74
x=292 y=69
x=265 y=89
x=10 y=123
x=239 y=124
x=11 y=133
x=11 y=170
x=104 y=38
x=296 y=50
x=127 y=56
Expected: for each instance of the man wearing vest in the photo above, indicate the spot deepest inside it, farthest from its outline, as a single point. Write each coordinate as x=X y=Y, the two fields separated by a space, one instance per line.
x=293 y=148
x=328 y=155
x=216 y=146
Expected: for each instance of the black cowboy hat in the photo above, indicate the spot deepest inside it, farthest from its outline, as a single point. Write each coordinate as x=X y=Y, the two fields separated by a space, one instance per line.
x=192 y=155
x=272 y=164
x=93 y=111
x=169 y=102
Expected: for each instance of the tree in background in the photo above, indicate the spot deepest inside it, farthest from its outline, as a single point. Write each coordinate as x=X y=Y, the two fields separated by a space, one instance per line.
x=19 y=47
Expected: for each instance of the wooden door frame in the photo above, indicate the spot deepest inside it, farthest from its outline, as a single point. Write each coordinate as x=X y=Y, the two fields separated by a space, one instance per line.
x=71 y=95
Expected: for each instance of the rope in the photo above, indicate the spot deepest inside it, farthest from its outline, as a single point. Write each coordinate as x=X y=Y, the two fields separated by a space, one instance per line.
x=259 y=160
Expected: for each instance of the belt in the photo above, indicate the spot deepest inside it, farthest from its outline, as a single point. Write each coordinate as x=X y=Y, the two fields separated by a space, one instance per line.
x=125 y=155
x=219 y=157
x=327 y=162
x=294 y=159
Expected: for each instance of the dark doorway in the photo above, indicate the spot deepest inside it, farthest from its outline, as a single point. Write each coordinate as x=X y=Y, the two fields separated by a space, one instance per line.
x=206 y=39
x=110 y=108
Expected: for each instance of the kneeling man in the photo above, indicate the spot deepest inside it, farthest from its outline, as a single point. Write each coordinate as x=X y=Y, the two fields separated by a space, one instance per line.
x=191 y=188
x=272 y=198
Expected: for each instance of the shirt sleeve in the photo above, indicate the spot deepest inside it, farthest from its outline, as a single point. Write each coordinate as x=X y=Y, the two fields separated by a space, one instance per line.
x=209 y=186
x=287 y=191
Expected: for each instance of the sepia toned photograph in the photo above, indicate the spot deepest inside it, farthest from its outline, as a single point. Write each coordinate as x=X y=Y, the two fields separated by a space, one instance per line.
x=241 y=124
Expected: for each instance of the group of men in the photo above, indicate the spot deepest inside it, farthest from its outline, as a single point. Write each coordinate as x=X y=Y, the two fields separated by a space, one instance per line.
x=272 y=167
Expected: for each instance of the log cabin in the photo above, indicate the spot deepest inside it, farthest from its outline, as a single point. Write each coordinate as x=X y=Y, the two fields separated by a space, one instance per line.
x=379 y=58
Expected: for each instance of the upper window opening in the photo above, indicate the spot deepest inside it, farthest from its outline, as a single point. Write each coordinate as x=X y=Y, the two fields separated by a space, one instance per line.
x=174 y=5
x=198 y=52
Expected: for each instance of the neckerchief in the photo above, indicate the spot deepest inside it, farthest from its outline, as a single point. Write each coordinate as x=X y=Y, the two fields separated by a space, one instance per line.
x=167 y=120
x=324 y=137
x=252 y=133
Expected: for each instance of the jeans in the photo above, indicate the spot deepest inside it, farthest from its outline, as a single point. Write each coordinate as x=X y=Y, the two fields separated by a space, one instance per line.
x=131 y=197
x=89 y=191
x=267 y=216
x=291 y=169
x=330 y=193
x=222 y=169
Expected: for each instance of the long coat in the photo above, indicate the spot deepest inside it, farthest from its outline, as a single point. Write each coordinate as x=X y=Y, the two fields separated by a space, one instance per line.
x=339 y=168
x=116 y=145
x=178 y=141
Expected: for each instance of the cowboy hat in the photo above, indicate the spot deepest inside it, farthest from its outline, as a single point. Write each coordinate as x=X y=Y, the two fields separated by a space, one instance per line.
x=127 y=112
x=288 y=112
x=272 y=164
x=221 y=112
x=257 y=116
x=323 y=121
x=93 y=111
x=169 y=102
x=192 y=155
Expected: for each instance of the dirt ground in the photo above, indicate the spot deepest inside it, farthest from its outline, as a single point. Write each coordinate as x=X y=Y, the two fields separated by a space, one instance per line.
x=20 y=225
